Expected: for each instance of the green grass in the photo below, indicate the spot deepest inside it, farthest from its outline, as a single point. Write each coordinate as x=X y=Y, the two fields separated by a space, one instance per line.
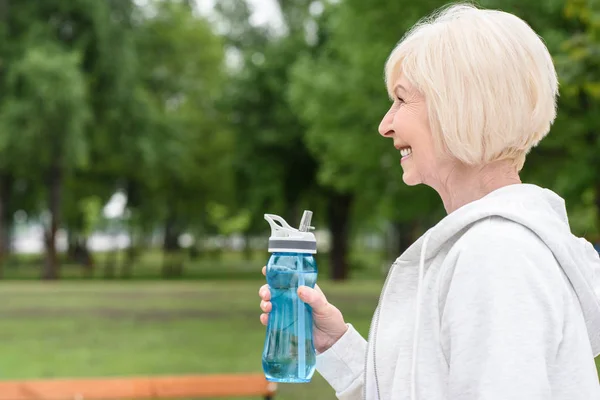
x=225 y=266
x=81 y=328
x=78 y=329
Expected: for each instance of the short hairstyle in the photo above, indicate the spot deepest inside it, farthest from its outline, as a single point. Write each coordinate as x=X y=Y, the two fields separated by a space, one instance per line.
x=487 y=78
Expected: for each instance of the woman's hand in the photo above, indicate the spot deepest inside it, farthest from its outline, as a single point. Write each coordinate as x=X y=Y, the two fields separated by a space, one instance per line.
x=328 y=322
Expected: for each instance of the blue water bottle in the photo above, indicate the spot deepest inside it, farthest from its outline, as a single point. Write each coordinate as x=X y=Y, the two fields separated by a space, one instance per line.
x=289 y=352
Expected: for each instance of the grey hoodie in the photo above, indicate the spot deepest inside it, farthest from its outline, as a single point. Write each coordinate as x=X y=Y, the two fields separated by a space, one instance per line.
x=498 y=301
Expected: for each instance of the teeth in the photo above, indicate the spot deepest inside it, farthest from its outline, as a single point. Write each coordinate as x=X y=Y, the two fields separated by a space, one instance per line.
x=405 y=151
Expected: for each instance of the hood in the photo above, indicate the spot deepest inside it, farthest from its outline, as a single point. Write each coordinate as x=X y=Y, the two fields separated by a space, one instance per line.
x=544 y=213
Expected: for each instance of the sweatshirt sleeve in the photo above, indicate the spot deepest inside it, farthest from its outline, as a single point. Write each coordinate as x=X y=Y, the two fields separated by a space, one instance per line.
x=342 y=365
x=502 y=319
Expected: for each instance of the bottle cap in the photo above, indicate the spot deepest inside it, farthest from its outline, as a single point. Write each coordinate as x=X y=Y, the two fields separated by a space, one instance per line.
x=286 y=239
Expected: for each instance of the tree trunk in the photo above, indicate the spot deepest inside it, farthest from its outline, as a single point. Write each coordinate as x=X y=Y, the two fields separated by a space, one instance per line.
x=338 y=213
x=129 y=262
x=194 y=252
x=7 y=230
x=85 y=257
x=79 y=253
x=130 y=254
x=3 y=238
x=72 y=245
x=404 y=235
x=55 y=182
x=172 y=258
x=6 y=183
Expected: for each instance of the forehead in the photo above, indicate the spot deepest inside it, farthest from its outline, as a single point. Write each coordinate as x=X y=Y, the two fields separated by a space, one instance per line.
x=399 y=83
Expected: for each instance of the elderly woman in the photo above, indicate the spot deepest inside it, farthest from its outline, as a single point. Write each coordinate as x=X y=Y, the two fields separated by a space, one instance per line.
x=498 y=300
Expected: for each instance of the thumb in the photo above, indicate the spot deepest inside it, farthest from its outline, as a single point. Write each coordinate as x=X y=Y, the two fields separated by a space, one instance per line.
x=314 y=298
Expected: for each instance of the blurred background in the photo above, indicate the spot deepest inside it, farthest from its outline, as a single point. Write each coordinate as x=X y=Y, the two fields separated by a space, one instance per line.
x=143 y=140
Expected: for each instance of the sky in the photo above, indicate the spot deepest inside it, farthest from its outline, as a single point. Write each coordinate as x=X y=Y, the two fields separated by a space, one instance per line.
x=265 y=11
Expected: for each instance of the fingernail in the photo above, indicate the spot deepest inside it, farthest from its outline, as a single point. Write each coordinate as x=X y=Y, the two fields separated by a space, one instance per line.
x=301 y=293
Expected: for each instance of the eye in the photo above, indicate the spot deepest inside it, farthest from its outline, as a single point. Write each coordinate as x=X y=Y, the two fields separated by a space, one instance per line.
x=400 y=99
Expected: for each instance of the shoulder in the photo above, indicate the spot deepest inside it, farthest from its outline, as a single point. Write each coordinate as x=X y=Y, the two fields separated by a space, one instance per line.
x=496 y=250
x=501 y=274
x=497 y=236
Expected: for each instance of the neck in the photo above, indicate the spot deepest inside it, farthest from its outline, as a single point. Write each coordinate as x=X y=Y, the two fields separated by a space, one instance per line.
x=465 y=184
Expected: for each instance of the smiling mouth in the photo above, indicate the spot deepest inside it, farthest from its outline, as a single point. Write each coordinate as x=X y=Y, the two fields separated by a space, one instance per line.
x=405 y=152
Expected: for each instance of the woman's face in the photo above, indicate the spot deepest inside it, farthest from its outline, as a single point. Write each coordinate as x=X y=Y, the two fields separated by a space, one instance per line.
x=407 y=123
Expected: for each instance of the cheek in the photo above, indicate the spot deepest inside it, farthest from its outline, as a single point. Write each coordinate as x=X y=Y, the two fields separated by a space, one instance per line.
x=426 y=157
x=409 y=122
x=404 y=126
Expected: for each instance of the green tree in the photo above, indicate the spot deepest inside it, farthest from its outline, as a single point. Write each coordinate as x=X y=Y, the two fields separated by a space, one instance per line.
x=189 y=167
x=339 y=92
x=274 y=171
x=88 y=52
x=577 y=140
x=48 y=84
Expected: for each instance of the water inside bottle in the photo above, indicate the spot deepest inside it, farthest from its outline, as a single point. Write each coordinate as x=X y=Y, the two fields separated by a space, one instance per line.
x=281 y=359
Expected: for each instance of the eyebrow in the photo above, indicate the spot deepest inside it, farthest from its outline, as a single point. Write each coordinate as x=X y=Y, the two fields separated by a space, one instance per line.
x=399 y=86
x=392 y=95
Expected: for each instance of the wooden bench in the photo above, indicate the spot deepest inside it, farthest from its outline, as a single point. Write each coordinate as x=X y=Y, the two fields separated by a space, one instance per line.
x=154 y=387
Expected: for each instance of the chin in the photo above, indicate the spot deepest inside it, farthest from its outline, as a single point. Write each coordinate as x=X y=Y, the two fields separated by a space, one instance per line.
x=410 y=180
x=412 y=183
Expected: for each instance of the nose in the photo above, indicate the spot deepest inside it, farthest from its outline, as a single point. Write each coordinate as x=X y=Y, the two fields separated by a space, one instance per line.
x=385 y=126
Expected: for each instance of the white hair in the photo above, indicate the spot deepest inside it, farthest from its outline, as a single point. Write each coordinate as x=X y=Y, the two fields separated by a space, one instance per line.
x=487 y=78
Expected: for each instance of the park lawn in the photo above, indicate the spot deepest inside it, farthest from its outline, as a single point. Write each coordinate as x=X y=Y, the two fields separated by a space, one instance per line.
x=226 y=266
x=79 y=329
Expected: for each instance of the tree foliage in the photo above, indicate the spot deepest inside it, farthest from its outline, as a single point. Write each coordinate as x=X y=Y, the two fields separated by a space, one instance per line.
x=205 y=123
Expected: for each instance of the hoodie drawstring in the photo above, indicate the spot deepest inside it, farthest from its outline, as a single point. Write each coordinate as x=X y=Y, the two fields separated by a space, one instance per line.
x=413 y=373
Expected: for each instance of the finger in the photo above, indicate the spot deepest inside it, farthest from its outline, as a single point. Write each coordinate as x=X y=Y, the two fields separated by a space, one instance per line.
x=264 y=271
x=264 y=293
x=264 y=319
x=315 y=299
x=266 y=306
x=318 y=289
